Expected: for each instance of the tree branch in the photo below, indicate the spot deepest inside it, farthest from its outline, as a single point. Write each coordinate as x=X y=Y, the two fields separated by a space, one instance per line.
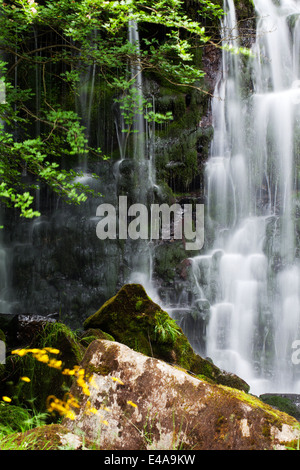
x=33 y=52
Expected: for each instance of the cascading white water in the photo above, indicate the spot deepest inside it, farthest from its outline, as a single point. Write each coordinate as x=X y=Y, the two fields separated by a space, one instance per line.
x=137 y=79
x=139 y=151
x=251 y=275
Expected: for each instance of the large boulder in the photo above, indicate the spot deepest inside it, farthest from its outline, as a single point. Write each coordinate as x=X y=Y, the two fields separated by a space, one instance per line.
x=132 y=318
x=134 y=402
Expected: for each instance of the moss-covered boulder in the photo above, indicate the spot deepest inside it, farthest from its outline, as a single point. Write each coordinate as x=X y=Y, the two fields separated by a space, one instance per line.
x=133 y=319
x=88 y=336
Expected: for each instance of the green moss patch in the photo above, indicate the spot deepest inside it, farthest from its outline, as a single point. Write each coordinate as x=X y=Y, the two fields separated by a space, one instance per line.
x=51 y=437
x=282 y=403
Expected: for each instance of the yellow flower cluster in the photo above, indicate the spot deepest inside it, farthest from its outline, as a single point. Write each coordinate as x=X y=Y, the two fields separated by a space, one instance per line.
x=66 y=406
x=79 y=373
x=63 y=407
x=41 y=355
x=81 y=382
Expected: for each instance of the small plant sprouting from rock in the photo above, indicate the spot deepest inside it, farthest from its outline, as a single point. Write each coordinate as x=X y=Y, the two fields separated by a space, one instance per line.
x=165 y=329
x=139 y=305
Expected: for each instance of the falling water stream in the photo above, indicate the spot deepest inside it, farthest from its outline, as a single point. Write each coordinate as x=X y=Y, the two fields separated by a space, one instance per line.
x=251 y=274
x=140 y=133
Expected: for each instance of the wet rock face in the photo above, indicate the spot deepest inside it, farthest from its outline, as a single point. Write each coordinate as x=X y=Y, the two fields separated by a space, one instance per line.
x=211 y=65
x=137 y=402
x=22 y=329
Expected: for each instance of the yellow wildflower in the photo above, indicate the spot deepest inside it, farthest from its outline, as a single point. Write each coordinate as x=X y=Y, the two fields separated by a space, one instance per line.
x=63 y=408
x=37 y=351
x=52 y=350
x=7 y=399
x=55 y=363
x=70 y=414
x=83 y=386
x=80 y=380
x=71 y=401
x=90 y=409
x=42 y=358
x=103 y=407
x=25 y=379
x=20 y=352
x=68 y=372
x=116 y=379
x=129 y=402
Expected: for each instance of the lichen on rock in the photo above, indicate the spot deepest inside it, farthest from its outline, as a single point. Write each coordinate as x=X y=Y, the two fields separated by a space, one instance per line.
x=143 y=403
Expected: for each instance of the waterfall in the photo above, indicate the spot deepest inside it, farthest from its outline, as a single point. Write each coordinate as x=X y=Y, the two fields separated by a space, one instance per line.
x=136 y=140
x=138 y=127
x=250 y=274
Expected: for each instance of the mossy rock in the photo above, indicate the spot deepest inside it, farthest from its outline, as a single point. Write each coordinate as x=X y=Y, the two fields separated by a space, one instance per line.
x=91 y=334
x=48 y=437
x=133 y=319
x=60 y=336
x=282 y=403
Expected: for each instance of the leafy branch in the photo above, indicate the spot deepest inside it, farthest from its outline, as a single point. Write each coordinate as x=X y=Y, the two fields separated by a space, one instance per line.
x=59 y=40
